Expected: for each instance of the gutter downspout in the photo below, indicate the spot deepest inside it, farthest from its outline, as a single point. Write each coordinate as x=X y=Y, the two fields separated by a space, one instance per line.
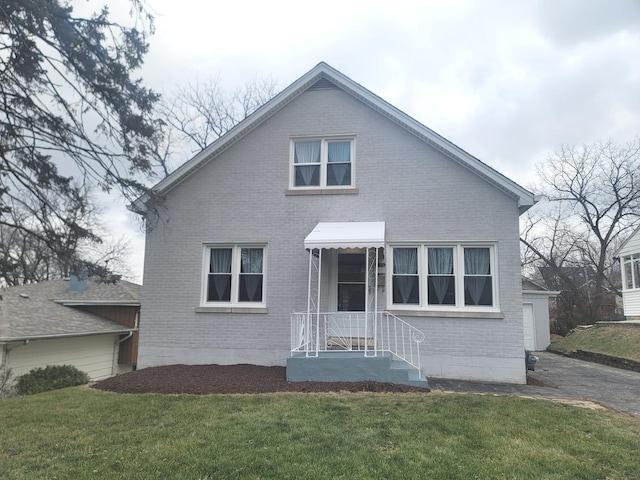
x=116 y=354
x=135 y=327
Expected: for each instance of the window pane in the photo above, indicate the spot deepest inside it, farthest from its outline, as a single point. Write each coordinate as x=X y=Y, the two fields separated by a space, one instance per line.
x=220 y=260
x=351 y=268
x=441 y=290
x=307 y=176
x=636 y=270
x=306 y=152
x=440 y=261
x=250 y=288
x=478 y=291
x=477 y=261
x=219 y=288
x=405 y=261
x=339 y=174
x=339 y=152
x=405 y=290
x=251 y=260
x=351 y=297
x=628 y=275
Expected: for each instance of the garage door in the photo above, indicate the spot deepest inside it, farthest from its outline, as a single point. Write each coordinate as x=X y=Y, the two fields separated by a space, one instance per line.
x=529 y=327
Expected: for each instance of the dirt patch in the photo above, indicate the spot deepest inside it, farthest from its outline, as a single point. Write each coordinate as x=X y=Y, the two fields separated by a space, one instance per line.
x=206 y=379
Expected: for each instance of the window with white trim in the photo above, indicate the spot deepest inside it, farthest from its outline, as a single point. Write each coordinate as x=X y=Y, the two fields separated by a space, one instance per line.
x=443 y=277
x=322 y=162
x=631 y=271
x=234 y=275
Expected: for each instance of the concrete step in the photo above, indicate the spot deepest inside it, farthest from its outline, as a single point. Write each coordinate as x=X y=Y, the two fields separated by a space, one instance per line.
x=352 y=367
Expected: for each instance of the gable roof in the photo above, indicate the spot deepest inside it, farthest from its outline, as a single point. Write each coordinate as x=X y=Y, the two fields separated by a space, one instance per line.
x=43 y=310
x=532 y=288
x=630 y=245
x=322 y=76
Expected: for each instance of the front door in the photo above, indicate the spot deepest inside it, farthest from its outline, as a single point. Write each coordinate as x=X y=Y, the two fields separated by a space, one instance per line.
x=347 y=326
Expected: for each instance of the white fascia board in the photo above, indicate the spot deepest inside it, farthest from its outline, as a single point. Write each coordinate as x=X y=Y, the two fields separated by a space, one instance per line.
x=64 y=335
x=106 y=303
x=542 y=293
x=525 y=198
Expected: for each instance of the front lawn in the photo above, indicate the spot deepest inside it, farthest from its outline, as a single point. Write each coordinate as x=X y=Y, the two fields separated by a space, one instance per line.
x=82 y=433
x=621 y=340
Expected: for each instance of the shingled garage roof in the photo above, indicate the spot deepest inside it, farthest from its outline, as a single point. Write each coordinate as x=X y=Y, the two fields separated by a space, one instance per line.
x=44 y=310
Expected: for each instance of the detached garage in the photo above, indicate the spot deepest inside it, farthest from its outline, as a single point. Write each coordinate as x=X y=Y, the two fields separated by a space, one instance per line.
x=92 y=326
x=535 y=315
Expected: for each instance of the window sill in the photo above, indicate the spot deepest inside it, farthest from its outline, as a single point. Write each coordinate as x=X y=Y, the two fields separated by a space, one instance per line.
x=231 y=309
x=446 y=313
x=322 y=191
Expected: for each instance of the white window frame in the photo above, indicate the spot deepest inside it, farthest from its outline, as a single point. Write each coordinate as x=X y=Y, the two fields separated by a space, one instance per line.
x=458 y=273
x=236 y=250
x=633 y=262
x=324 y=161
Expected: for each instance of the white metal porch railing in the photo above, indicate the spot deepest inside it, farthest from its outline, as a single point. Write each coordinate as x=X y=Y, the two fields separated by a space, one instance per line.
x=356 y=331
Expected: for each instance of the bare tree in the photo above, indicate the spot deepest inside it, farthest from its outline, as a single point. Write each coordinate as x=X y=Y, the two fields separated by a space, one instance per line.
x=43 y=240
x=593 y=202
x=201 y=112
x=69 y=101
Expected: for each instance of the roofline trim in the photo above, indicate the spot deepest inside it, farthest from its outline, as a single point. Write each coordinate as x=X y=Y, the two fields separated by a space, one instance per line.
x=64 y=335
x=546 y=293
x=106 y=303
x=525 y=198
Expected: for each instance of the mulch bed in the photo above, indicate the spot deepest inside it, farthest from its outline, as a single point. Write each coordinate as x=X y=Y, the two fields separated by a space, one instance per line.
x=206 y=379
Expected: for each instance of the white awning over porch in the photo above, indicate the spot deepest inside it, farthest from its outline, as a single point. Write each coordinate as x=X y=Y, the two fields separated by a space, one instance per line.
x=346 y=235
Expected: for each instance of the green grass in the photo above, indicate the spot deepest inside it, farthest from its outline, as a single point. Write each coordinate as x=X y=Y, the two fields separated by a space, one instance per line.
x=617 y=340
x=78 y=433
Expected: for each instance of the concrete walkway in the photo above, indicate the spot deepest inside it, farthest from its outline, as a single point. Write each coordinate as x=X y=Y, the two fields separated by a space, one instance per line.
x=568 y=379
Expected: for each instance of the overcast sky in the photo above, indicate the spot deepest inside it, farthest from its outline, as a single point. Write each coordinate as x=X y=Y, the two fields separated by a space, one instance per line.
x=508 y=82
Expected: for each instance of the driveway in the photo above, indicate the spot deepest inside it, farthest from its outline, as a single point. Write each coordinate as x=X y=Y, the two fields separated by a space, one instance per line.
x=567 y=378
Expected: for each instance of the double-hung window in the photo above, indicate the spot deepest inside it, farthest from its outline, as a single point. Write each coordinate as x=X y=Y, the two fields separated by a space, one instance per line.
x=234 y=274
x=322 y=162
x=443 y=277
x=631 y=271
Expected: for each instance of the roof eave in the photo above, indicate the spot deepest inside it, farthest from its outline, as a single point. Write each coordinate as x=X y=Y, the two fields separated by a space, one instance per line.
x=106 y=303
x=525 y=198
x=22 y=338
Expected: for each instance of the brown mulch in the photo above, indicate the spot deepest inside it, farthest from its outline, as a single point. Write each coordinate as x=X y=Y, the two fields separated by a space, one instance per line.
x=206 y=379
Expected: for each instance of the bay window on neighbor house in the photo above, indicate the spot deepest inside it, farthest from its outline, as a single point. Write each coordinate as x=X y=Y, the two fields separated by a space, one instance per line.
x=631 y=272
x=322 y=163
x=448 y=277
x=234 y=274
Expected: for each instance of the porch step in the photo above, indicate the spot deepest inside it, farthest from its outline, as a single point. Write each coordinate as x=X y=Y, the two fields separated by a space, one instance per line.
x=352 y=367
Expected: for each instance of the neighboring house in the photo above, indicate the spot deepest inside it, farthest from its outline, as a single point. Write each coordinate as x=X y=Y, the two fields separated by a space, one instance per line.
x=535 y=305
x=629 y=256
x=330 y=231
x=92 y=326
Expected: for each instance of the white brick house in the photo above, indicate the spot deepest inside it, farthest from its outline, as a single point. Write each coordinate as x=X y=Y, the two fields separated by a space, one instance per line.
x=331 y=222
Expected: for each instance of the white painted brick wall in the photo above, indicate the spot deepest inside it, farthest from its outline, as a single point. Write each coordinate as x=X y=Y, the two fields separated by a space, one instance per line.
x=240 y=197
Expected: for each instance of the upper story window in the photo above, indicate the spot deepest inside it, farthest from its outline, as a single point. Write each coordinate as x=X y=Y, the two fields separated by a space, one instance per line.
x=631 y=271
x=234 y=274
x=447 y=277
x=322 y=162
